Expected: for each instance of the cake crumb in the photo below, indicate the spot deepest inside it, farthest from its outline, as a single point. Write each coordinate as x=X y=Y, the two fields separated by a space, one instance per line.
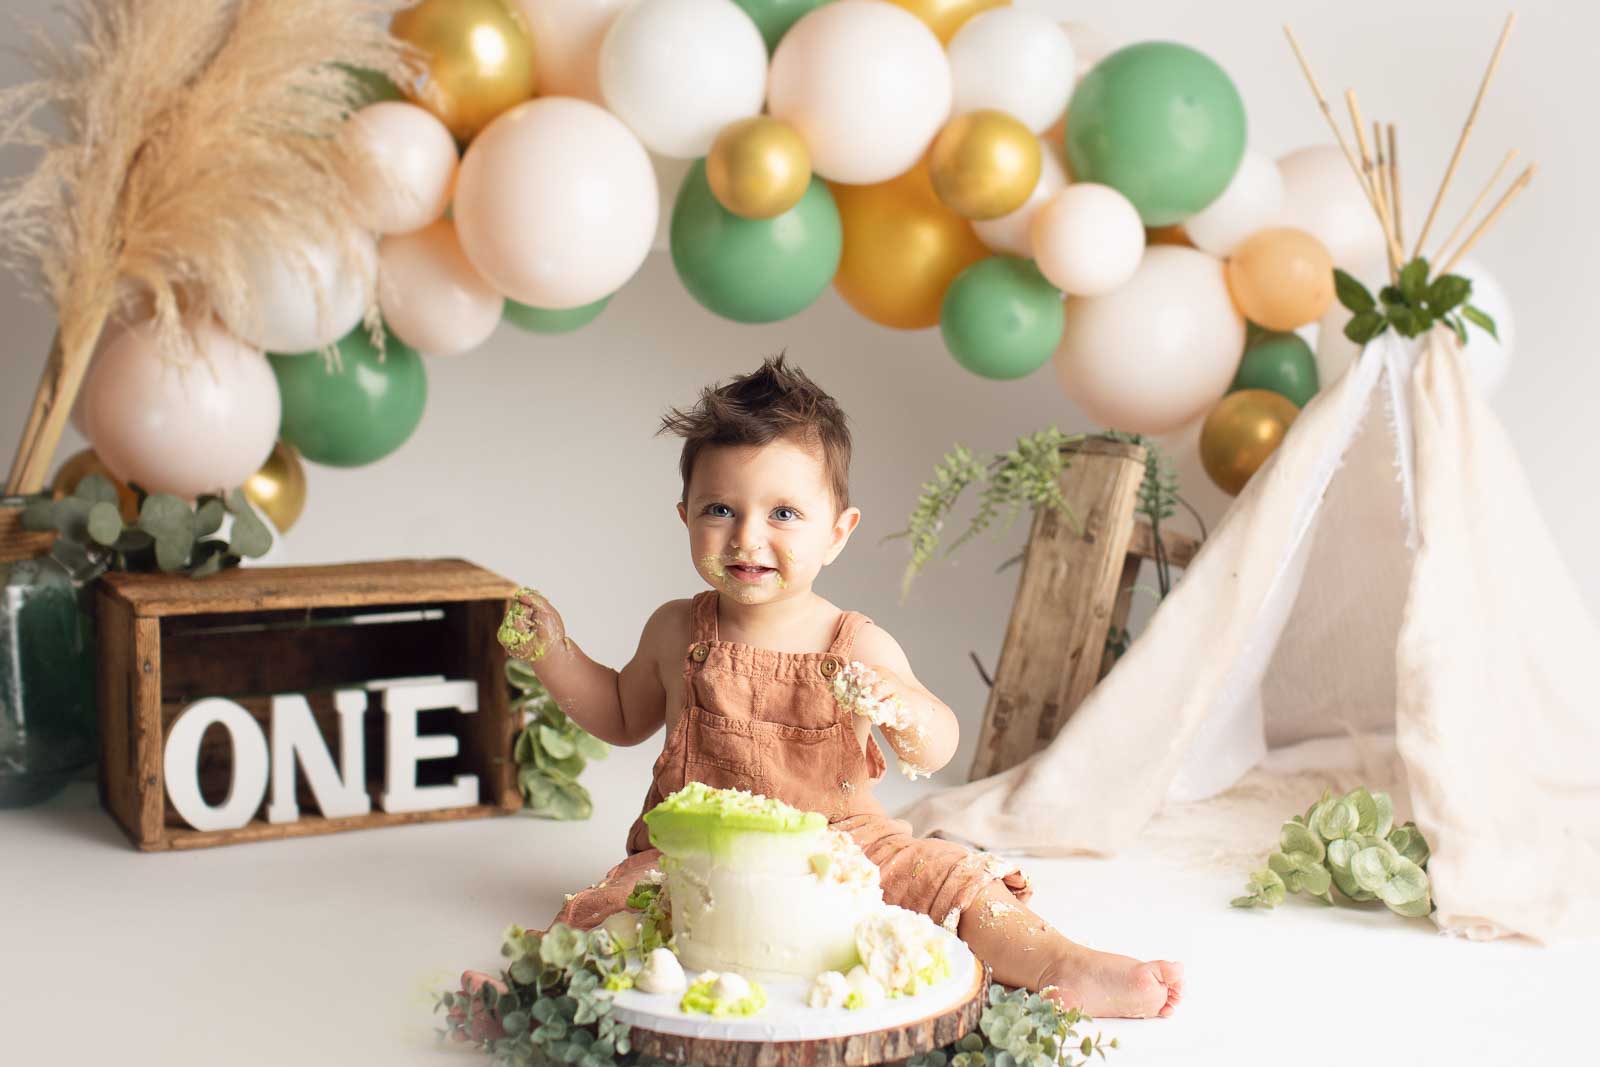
x=952 y=920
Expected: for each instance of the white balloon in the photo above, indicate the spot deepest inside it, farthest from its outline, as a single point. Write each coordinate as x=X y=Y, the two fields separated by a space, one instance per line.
x=1322 y=196
x=305 y=296
x=1013 y=233
x=670 y=174
x=182 y=422
x=866 y=84
x=556 y=203
x=407 y=164
x=1488 y=360
x=678 y=71
x=1252 y=201
x=1157 y=352
x=1090 y=44
x=566 y=36
x=431 y=296
x=1088 y=239
x=1013 y=60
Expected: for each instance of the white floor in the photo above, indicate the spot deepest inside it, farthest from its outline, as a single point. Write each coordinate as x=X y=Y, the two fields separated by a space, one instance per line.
x=327 y=950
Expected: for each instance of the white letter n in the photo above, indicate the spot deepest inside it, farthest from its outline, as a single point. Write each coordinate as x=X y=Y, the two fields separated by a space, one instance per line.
x=295 y=739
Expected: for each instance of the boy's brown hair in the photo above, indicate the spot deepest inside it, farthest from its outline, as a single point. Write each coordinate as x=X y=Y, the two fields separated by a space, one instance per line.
x=776 y=401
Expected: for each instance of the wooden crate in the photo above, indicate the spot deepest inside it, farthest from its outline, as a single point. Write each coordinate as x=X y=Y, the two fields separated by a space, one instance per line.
x=249 y=633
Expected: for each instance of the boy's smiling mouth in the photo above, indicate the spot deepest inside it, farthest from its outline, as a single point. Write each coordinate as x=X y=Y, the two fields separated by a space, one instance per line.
x=750 y=572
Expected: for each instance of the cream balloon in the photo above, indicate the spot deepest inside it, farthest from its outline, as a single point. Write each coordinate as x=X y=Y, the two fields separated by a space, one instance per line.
x=556 y=203
x=1322 y=196
x=670 y=174
x=405 y=165
x=566 y=36
x=185 y=420
x=304 y=296
x=678 y=71
x=1013 y=60
x=867 y=85
x=430 y=295
x=1090 y=44
x=1013 y=233
x=1156 y=352
x=1088 y=239
x=1252 y=201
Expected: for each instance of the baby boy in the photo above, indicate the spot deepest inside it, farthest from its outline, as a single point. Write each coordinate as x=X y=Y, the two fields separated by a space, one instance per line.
x=761 y=684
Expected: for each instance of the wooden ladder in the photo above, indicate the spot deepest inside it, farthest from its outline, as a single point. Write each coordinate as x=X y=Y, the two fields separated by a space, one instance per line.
x=1076 y=585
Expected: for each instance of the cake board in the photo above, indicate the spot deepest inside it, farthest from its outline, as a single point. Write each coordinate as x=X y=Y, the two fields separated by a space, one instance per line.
x=787 y=1034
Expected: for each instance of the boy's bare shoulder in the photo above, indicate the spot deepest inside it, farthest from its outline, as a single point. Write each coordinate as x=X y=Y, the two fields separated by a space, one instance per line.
x=875 y=645
x=670 y=629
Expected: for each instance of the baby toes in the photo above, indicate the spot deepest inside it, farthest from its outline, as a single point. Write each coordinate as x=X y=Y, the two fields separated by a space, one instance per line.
x=1172 y=974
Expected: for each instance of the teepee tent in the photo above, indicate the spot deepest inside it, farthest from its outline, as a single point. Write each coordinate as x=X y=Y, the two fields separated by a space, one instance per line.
x=1388 y=569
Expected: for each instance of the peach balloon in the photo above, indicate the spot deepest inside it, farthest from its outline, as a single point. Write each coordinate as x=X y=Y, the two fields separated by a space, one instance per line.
x=1158 y=350
x=1241 y=433
x=180 y=421
x=567 y=35
x=902 y=249
x=1088 y=239
x=431 y=296
x=556 y=203
x=1281 y=278
x=405 y=164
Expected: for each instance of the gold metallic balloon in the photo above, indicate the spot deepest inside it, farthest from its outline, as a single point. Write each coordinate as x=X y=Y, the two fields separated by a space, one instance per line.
x=902 y=249
x=478 y=57
x=82 y=464
x=278 y=489
x=1167 y=235
x=945 y=17
x=1241 y=432
x=984 y=164
x=758 y=167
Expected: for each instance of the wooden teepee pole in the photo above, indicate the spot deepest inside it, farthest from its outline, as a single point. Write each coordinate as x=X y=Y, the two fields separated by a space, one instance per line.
x=57 y=390
x=1466 y=132
x=1394 y=187
x=1476 y=204
x=1374 y=184
x=1505 y=201
x=30 y=432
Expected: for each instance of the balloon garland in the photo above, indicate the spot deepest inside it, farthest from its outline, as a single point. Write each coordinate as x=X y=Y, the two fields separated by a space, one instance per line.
x=1036 y=192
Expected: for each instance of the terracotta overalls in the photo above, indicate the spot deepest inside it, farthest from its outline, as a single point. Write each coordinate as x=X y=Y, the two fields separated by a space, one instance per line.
x=768 y=722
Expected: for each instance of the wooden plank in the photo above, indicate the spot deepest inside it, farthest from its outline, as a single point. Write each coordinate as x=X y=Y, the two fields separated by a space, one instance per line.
x=1180 y=547
x=1055 y=639
x=148 y=776
x=1122 y=608
x=245 y=662
x=309 y=826
x=114 y=700
x=491 y=734
x=893 y=1045
x=406 y=581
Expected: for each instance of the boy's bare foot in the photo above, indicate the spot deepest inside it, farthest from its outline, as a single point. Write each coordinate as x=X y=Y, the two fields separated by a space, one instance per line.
x=1109 y=986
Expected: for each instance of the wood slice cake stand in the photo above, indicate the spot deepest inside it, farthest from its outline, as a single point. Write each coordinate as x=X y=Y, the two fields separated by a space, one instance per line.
x=951 y=1017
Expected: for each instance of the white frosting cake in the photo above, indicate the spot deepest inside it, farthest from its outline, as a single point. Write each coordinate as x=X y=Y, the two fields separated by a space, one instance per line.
x=760 y=888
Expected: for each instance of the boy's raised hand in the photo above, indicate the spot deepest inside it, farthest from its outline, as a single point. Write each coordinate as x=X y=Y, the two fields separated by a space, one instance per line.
x=532 y=626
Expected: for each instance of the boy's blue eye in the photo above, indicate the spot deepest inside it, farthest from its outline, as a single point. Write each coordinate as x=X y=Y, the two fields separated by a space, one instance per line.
x=785 y=514
x=720 y=511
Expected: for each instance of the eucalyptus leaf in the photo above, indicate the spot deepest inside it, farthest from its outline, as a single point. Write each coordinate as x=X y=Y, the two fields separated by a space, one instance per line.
x=557 y=744
x=1370 y=868
x=1366 y=810
x=1414 y=909
x=1481 y=321
x=1352 y=294
x=104 y=523
x=1297 y=838
x=521 y=675
x=591 y=747
x=250 y=537
x=95 y=488
x=208 y=516
x=1335 y=819
x=1314 y=879
x=39 y=514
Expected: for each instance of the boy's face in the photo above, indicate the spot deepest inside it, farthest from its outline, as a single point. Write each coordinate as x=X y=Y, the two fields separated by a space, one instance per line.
x=762 y=520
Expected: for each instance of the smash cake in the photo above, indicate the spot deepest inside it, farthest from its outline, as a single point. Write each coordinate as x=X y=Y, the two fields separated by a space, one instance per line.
x=752 y=890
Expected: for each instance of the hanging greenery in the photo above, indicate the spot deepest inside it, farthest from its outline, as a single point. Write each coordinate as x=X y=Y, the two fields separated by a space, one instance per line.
x=551 y=752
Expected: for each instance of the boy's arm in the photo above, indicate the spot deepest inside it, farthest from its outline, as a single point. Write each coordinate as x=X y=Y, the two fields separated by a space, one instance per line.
x=617 y=707
x=929 y=740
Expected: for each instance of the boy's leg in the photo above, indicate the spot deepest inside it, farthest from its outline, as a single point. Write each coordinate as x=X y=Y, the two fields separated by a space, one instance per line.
x=1023 y=950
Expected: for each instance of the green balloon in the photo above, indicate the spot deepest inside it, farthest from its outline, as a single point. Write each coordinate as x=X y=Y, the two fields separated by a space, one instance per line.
x=774 y=17
x=1001 y=319
x=357 y=412
x=551 y=320
x=754 y=270
x=1281 y=362
x=1160 y=123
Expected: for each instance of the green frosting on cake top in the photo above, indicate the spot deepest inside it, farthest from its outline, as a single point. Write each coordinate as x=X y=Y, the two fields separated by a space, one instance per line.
x=698 y=818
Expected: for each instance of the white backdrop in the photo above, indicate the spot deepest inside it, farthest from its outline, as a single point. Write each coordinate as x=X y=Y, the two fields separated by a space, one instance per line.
x=536 y=456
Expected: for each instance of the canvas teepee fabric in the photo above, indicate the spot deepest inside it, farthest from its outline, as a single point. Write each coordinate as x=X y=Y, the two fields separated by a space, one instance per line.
x=1387 y=569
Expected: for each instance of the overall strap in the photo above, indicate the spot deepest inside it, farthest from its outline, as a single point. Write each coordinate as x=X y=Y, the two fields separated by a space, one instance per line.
x=850 y=623
x=705 y=616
